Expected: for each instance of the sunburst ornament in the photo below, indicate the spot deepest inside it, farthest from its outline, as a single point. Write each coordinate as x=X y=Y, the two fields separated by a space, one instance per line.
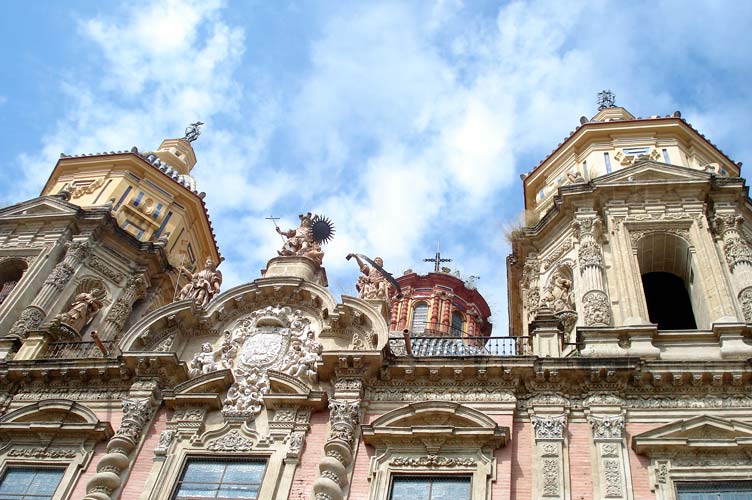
x=322 y=229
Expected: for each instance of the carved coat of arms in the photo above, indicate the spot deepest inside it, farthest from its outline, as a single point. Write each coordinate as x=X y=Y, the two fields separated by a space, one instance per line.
x=273 y=338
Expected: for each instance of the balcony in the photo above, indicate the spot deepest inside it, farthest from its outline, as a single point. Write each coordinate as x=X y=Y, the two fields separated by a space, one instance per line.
x=81 y=350
x=444 y=342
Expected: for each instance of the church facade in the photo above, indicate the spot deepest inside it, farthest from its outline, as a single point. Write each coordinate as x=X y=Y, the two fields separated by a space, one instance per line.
x=127 y=372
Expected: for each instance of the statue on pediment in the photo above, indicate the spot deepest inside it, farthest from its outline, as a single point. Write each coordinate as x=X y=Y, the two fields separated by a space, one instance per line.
x=203 y=285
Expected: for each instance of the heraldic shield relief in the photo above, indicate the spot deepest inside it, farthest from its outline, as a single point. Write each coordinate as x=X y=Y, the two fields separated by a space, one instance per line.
x=273 y=338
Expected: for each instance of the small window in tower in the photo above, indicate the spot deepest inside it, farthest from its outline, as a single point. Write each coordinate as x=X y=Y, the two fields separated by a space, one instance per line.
x=607 y=160
x=541 y=194
x=666 y=158
x=458 y=325
x=420 y=317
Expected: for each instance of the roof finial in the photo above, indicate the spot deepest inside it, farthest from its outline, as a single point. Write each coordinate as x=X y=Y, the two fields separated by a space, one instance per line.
x=193 y=131
x=606 y=99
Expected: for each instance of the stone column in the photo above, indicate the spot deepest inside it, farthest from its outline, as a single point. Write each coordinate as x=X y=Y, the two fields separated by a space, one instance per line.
x=446 y=307
x=137 y=413
x=595 y=301
x=404 y=307
x=433 y=319
x=121 y=309
x=551 y=472
x=611 y=460
x=33 y=315
x=728 y=227
x=344 y=416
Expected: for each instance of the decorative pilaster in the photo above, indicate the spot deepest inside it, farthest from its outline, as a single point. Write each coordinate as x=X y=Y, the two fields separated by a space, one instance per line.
x=611 y=463
x=33 y=315
x=550 y=473
x=137 y=412
x=531 y=286
x=595 y=300
x=738 y=253
x=134 y=289
x=343 y=420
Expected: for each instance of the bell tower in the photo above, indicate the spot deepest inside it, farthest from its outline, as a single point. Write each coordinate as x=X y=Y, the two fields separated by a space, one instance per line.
x=636 y=236
x=151 y=194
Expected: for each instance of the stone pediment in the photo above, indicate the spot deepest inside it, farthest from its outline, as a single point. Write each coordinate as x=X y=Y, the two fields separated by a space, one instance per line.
x=648 y=171
x=46 y=206
x=442 y=422
x=699 y=433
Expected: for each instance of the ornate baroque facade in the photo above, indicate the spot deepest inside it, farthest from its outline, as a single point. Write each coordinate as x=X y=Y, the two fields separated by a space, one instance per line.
x=120 y=379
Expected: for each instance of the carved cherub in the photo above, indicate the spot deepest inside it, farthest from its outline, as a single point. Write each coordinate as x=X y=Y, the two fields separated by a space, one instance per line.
x=206 y=361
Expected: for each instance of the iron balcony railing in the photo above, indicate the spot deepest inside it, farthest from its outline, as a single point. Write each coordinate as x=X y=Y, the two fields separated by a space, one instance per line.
x=426 y=346
x=81 y=350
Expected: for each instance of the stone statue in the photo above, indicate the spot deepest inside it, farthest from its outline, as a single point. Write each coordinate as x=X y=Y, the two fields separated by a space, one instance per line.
x=203 y=285
x=85 y=305
x=559 y=295
x=304 y=357
x=372 y=284
x=193 y=131
x=301 y=242
x=206 y=361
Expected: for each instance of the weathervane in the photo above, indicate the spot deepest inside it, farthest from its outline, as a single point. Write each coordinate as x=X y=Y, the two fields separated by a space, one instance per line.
x=193 y=131
x=437 y=259
x=606 y=99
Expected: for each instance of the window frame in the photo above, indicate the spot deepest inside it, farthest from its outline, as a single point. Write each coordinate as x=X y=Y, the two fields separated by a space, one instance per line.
x=413 y=306
x=224 y=458
x=431 y=475
x=62 y=468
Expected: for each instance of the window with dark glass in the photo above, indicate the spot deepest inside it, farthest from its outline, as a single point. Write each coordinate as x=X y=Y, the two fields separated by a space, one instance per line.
x=211 y=478
x=430 y=488
x=458 y=324
x=30 y=483
x=714 y=490
x=420 y=317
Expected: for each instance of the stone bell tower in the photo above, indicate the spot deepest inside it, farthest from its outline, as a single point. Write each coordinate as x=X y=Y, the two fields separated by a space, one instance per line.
x=635 y=243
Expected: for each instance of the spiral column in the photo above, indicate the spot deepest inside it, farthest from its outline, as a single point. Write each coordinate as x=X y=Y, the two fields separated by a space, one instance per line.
x=338 y=450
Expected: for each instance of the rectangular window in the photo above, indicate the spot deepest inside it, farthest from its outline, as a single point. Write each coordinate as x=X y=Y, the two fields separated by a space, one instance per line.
x=607 y=160
x=430 y=488
x=715 y=490
x=30 y=483
x=211 y=478
x=666 y=158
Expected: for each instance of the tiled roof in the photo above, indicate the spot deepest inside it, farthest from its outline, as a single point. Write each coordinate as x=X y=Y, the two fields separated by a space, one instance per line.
x=185 y=181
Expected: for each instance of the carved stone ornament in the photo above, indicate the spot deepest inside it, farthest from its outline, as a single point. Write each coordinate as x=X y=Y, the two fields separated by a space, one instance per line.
x=549 y=427
x=31 y=317
x=165 y=439
x=343 y=417
x=745 y=299
x=607 y=427
x=59 y=276
x=432 y=461
x=551 y=477
x=587 y=226
x=274 y=338
x=596 y=308
x=590 y=254
x=136 y=412
x=43 y=452
x=612 y=474
x=737 y=250
x=103 y=268
x=232 y=442
x=294 y=442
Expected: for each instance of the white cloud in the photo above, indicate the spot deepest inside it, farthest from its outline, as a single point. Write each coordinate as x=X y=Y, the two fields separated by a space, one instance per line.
x=407 y=124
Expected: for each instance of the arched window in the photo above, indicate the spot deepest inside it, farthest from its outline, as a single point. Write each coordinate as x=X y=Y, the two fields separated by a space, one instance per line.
x=420 y=317
x=10 y=274
x=667 y=281
x=458 y=325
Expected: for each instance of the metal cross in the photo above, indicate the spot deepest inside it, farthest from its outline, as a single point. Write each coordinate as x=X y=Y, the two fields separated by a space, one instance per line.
x=606 y=99
x=437 y=259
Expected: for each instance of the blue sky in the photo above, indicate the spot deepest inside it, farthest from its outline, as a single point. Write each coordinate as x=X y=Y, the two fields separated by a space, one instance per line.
x=404 y=122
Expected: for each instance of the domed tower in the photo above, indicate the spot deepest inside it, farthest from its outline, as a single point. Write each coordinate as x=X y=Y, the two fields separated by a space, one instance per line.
x=636 y=230
x=441 y=305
